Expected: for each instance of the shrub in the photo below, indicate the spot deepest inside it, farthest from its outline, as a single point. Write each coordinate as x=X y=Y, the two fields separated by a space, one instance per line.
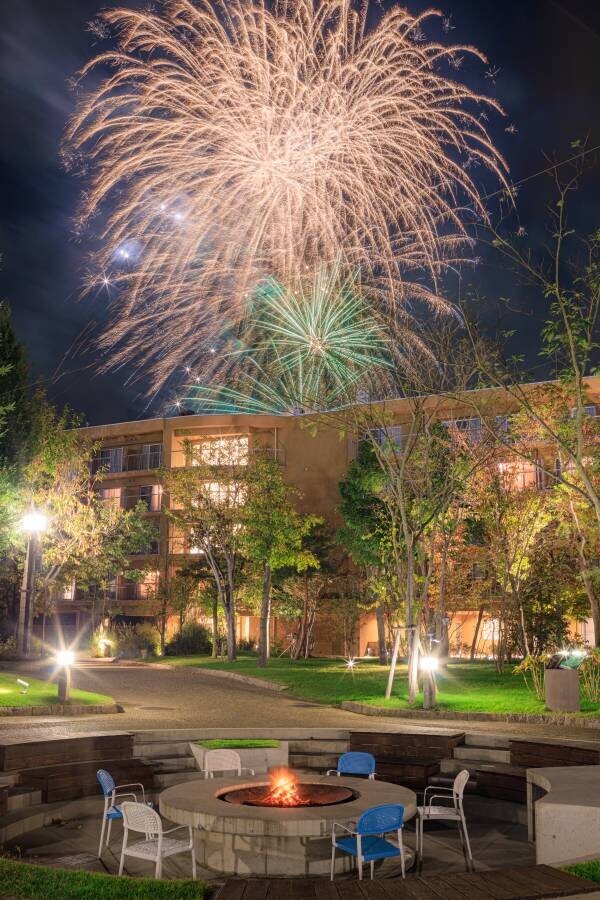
x=99 y=638
x=533 y=666
x=246 y=646
x=132 y=640
x=8 y=648
x=193 y=638
x=590 y=676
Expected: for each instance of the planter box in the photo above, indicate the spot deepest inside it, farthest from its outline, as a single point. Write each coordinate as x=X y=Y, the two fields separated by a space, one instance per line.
x=562 y=690
x=261 y=759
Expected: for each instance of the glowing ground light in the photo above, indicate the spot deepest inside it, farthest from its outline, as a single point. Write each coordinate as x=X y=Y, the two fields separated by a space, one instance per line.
x=428 y=664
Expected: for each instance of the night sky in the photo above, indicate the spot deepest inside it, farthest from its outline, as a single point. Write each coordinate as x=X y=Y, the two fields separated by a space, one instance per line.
x=548 y=56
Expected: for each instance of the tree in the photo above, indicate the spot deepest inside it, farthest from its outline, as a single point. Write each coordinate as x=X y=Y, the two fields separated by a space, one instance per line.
x=272 y=534
x=206 y=508
x=15 y=399
x=365 y=533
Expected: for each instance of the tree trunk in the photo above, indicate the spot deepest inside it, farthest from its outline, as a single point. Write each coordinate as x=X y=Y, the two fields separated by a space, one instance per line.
x=441 y=622
x=215 y=626
x=413 y=652
x=381 y=644
x=393 y=662
x=301 y=638
x=476 y=632
x=229 y=607
x=265 y=612
x=594 y=603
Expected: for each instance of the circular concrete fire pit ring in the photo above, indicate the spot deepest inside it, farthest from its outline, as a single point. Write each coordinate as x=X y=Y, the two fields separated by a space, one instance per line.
x=237 y=839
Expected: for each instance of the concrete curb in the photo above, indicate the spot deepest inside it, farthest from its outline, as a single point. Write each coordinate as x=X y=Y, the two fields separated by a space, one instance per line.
x=215 y=673
x=62 y=709
x=533 y=719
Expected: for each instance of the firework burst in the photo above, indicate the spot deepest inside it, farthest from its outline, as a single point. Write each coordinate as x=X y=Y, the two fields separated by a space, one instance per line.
x=303 y=347
x=234 y=140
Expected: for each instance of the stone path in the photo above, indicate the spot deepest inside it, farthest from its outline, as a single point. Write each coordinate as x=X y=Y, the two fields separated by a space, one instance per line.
x=184 y=697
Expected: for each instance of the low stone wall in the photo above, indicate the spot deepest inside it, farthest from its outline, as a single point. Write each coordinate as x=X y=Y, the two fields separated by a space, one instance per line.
x=527 y=719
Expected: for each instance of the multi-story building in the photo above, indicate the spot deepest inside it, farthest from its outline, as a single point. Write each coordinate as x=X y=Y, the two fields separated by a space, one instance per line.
x=313 y=459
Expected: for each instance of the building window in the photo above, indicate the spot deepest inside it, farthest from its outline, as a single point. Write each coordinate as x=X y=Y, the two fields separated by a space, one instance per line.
x=149 y=494
x=469 y=428
x=149 y=457
x=588 y=410
x=520 y=474
x=490 y=629
x=222 y=451
x=108 y=459
x=502 y=424
x=392 y=434
x=111 y=496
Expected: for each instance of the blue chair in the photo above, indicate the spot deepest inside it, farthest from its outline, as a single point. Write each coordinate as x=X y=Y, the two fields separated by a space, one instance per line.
x=368 y=843
x=112 y=811
x=355 y=763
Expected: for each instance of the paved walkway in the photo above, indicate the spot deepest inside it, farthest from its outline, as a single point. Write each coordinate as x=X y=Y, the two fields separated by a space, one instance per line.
x=186 y=698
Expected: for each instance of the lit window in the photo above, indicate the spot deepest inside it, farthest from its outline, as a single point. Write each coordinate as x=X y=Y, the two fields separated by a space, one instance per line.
x=111 y=496
x=223 y=451
x=490 y=629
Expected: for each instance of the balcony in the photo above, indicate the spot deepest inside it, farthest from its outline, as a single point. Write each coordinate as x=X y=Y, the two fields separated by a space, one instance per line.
x=113 y=460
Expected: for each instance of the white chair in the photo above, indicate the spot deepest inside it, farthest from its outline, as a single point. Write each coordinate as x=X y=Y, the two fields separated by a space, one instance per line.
x=454 y=813
x=223 y=761
x=156 y=846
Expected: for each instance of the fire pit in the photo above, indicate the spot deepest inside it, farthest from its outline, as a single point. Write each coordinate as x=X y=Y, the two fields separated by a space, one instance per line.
x=258 y=826
x=284 y=791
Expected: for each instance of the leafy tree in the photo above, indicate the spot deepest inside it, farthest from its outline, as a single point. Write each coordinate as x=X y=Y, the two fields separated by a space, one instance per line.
x=15 y=399
x=272 y=534
x=207 y=510
x=365 y=533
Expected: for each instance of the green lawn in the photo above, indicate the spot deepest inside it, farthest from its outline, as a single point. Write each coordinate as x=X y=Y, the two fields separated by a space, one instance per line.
x=589 y=870
x=465 y=687
x=41 y=693
x=40 y=883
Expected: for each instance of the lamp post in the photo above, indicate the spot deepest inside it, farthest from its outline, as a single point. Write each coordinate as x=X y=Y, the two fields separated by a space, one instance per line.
x=64 y=660
x=33 y=523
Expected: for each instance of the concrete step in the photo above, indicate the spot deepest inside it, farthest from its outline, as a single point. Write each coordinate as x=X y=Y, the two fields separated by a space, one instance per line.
x=162 y=749
x=489 y=754
x=313 y=761
x=175 y=764
x=494 y=741
x=22 y=798
x=167 y=779
x=489 y=809
x=318 y=746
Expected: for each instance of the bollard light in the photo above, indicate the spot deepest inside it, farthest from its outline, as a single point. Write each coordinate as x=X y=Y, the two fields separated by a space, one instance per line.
x=428 y=664
x=34 y=522
x=24 y=685
x=65 y=657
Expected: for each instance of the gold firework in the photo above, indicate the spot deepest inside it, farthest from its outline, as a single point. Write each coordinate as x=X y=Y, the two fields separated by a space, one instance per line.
x=234 y=140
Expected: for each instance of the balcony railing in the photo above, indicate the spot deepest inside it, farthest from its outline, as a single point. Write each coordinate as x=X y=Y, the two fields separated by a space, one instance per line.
x=127 y=462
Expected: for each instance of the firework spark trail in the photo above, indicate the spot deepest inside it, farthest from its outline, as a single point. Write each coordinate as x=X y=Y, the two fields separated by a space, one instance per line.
x=232 y=141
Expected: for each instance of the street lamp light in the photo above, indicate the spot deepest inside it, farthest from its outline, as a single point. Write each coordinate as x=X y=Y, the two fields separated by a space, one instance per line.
x=34 y=522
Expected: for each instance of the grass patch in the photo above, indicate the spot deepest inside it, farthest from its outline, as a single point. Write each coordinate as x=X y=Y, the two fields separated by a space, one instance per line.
x=42 y=693
x=463 y=687
x=33 y=882
x=589 y=870
x=238 y=744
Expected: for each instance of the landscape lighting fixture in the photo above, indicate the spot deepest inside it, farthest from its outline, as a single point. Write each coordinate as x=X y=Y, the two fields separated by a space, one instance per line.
x=24 y=684
x=65 y=657
x=34 y=522
x=428 y=664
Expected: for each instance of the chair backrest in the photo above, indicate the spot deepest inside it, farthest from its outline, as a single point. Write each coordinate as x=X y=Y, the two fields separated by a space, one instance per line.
x=355 y=763
x=460 y=783
x=107 y=782
x=381 y=819
x=222 y=761
x=140 y=817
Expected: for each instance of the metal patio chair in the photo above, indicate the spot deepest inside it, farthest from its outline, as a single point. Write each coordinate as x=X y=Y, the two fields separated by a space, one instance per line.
x=367 y=842
x=112 y=810
x=223 y=761
x=156 y=845
x=355 y=763
x=439 y=813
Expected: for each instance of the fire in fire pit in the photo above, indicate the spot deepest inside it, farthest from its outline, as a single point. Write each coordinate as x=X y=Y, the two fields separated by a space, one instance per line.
x=284 y=790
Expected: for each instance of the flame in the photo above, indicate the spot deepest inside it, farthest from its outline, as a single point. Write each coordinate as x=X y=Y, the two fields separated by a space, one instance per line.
x=284 y=789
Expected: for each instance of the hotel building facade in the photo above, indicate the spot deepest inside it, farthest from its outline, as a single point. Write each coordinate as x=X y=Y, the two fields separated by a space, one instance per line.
x=313 y=459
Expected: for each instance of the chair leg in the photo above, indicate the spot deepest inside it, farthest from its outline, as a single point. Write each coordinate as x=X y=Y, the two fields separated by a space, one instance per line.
x=332 y=860
x=108 y=832
x=359 y=858
x=468 y=843
x=102 y=835
x=401 y=845
x=122 y=862
x=372 y=868
x=158 y=869
x=193 y=863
